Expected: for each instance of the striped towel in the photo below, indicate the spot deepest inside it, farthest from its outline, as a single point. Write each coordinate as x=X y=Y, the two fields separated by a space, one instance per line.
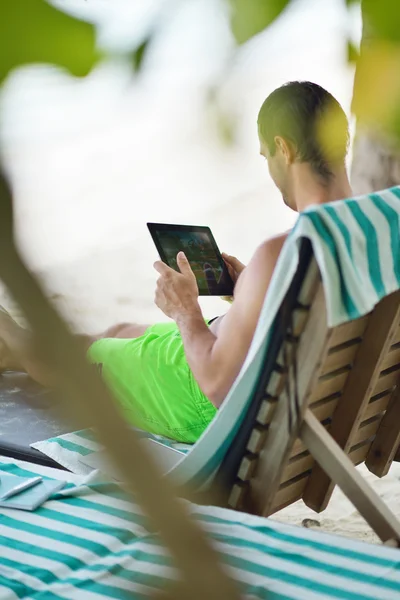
x=356 y=243
x=99 y=545
x=67 y=449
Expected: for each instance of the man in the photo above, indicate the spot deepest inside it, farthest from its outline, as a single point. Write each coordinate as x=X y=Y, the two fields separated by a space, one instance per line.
x=171 y=378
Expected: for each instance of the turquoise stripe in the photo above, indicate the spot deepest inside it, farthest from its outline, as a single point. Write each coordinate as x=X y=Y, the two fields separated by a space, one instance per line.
x=75 y=564
x=121 y=534
x=395 y=191
x=71 y=446
x=371 y=239
x=107 y=489
x=375 y=558
x=284 y=574
x=392 y=218
x=342 y=228
x=95 y=547
x=137 y=556
x=71 y=561
x=137 y=519
x=278 y=575
x=23 y=591
x=86 y=434
x=303 y=560
x=19 y=589
x=44 y=576
x=326 y=237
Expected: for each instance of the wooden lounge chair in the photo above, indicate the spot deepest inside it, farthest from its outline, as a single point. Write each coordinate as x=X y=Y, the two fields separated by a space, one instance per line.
x=305 y=384
x=329 y=400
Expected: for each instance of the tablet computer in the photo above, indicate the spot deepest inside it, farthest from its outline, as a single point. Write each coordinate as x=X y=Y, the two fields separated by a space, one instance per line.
x=202 y=252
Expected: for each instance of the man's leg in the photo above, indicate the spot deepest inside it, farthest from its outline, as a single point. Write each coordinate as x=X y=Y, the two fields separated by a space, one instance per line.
x=123 y=330
x=15 y=341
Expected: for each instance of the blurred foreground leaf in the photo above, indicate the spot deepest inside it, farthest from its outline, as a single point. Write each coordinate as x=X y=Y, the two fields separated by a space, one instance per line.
x=139 y=54
x=250 y=17
x=384 y=16
x=376 y=98
x=352 y=52
x=32 y=31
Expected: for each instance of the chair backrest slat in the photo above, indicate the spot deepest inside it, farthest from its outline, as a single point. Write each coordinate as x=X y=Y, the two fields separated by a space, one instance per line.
x=364 y=380
x=387 y=441
x=275 y=449
x=347 y=376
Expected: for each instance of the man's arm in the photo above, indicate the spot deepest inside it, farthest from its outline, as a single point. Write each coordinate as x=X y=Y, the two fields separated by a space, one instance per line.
x=216 y=361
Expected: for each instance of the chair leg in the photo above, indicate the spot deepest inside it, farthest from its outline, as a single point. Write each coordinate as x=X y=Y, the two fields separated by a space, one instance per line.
x=341 y=470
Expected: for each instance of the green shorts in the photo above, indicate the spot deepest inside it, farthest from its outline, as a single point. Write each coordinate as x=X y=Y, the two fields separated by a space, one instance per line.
x=152 y=381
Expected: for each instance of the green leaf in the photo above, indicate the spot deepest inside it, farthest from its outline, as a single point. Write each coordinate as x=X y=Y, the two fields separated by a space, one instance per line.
x=32 y=31
x=352 y=52
x=250 y=17
x=382 y=18
x=139 y=54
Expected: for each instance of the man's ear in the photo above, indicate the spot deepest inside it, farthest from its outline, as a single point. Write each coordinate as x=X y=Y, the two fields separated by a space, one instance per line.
x=286 y=148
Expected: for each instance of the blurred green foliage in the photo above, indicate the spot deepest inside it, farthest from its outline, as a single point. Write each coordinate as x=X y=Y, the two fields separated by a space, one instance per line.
x=33 y=31
x=249 y=17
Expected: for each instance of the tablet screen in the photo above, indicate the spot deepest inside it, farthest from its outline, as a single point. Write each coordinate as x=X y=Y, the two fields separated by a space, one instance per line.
x=202 y=252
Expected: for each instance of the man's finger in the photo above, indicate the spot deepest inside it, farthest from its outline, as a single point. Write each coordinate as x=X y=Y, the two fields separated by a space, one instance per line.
x=183 y=263
x=161 y=267
x=234 y=262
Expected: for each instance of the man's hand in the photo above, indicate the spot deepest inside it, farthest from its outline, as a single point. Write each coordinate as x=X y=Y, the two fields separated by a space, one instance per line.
x=235 y=267
x=177 y=293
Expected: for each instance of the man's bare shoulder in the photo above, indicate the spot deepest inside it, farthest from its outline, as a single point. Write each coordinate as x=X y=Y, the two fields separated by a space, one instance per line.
x=262 y=262
x=268 y=251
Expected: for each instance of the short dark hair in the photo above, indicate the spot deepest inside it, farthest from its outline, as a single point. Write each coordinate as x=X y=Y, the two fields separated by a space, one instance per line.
x=295 y=112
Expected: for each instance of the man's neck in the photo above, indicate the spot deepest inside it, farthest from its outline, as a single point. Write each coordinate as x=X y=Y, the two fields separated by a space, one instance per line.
x=308 y=190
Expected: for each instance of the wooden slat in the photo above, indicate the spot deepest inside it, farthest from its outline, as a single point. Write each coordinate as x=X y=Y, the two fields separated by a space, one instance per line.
x=309 y=284
x=386 y=381
x=396 y=339
x=257 y=439
x=387 y=440
x=296 y=466
x=275 y=454
x=341 y=357
x=340 y=468
x=367 y=430
x=299 y=446
x=359 y=453
x=288 y=494
x=377 y=407
x=237 y=495
x=276 y=382
x=330 y=384
x=325 y=410
x=349 y=331
x=247 y=467
x=377 y=339
x=300 y=318
x=266 y=412
x=392 y=358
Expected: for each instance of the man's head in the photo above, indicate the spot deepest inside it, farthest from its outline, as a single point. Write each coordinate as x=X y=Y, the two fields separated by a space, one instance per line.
x=301 y=123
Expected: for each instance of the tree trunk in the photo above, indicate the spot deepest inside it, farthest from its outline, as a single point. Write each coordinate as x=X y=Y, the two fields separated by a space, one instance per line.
x=376 y=163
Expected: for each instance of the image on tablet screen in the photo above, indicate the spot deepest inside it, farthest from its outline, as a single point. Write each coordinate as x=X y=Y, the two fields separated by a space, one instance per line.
x=201 y=255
